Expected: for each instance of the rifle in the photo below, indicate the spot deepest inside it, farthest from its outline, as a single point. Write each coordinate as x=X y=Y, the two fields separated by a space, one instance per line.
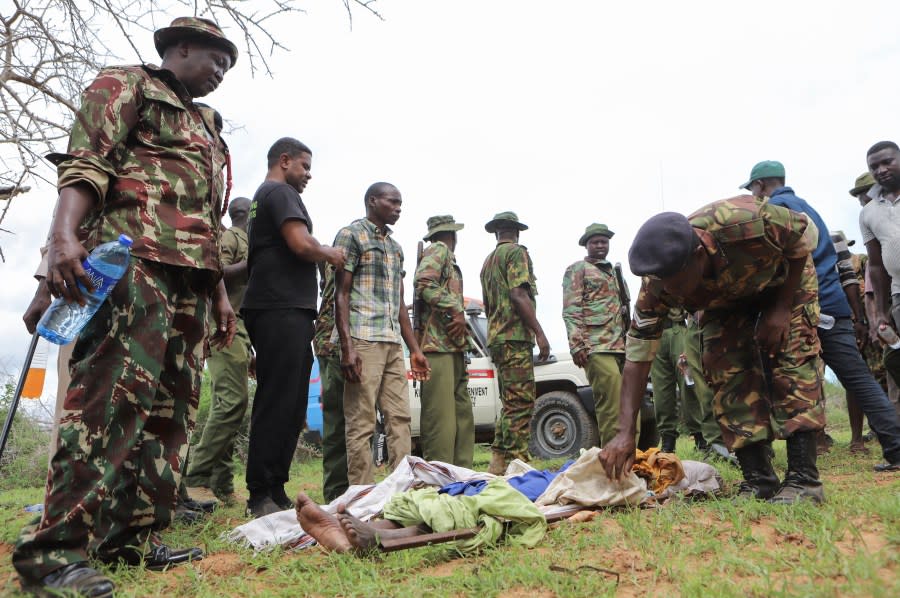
x=418 y=326
x=624 y=297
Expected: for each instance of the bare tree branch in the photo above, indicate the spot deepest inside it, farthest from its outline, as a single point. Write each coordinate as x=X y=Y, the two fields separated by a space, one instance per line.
x=52 y=48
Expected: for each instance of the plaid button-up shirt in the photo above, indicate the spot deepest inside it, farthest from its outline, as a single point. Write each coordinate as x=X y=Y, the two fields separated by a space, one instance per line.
x=376 y=261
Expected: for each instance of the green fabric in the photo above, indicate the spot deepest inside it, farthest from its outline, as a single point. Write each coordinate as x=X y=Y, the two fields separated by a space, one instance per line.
x=507 y=267
x=497 y=503
x=334 y=445
x=448 y=425
x=604 y=371
x=439 y=285
x=211 y=460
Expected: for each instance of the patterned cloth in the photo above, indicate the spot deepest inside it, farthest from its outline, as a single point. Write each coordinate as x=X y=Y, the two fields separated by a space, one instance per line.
x=124 y=425
x=438 y=282
x=592 y=310
x=748 y=242
x=507 y=267
x=154 y=160
x=515 y=373
x=376 y=261
x=322 y=344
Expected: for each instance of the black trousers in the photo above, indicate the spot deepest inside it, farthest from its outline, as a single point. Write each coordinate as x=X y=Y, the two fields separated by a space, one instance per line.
x=282 y=339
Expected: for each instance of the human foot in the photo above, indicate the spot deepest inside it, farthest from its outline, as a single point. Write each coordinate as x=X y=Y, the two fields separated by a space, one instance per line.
x=361 y=535
x=321 y=525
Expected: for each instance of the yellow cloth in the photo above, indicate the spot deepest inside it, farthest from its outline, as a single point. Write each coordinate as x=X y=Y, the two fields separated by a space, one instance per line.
x=661 y=470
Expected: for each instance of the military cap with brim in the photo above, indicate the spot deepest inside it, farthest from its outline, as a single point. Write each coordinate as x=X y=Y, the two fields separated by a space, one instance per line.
x=662 y=246
x=504 y=220
x=440 y=224
x=863 y=183
x=593 y=230
x=193 y=28
x=765 y=170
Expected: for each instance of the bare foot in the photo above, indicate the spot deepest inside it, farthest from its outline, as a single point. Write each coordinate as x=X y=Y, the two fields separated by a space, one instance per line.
x=362 y=536
x=321 y=525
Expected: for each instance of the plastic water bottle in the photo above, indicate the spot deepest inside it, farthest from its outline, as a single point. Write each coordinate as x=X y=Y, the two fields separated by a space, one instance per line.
x=685 y=369
x=106 y=264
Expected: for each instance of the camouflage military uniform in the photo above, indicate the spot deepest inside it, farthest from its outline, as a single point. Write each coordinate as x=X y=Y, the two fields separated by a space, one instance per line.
x=682 y=335
x=510 y=343
x=748 y=242
x=592 y=312
x=211 y=459
x=334 y=447
x=154 y=160
x=447 y=422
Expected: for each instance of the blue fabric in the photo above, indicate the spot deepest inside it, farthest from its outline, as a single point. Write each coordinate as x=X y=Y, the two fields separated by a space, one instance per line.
x=532 y=484
x=832 y=299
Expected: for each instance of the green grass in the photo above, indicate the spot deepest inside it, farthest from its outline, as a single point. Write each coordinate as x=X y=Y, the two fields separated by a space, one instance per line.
x=847 y=547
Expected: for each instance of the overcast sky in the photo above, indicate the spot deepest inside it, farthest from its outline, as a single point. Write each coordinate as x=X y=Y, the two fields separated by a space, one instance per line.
x=565 y=112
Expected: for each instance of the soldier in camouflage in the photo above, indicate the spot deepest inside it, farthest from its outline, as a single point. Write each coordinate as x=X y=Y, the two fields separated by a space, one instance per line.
x=508 y=288
x=145 y=160
x=447 y=422
x=209 y=474
x=334 y=445
x=595 y=323
x=748 y=264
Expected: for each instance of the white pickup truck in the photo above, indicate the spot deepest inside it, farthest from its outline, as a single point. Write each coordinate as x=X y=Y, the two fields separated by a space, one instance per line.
x=563 y=421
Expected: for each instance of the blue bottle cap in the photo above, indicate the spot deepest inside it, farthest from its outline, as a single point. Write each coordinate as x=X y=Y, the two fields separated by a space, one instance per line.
x=125 y=240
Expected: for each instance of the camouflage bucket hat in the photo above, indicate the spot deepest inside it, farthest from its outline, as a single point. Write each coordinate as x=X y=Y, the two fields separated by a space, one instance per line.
x=193 y=28
x=863 y=183
x=593 y=230
x=440 y=224
x=508 y=219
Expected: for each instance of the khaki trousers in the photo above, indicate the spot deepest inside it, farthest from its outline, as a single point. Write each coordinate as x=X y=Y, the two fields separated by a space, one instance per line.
x=383 y=382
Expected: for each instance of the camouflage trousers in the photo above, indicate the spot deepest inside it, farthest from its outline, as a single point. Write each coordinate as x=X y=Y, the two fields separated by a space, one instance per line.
x=695 y=410
x=125 y=423
x=515 y=373
x=757 y=399
x=210 y=463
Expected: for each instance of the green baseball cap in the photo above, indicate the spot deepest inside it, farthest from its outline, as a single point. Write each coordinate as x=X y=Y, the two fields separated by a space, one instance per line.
x=439 y=224
x=863 y=183
x=765 y=170
x=193 y=28
x=509 y=219
x=593 y=230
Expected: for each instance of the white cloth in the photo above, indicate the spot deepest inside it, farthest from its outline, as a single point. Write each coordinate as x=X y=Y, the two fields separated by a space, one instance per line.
x=585 y=483
x=699 y=478
x=364 y=502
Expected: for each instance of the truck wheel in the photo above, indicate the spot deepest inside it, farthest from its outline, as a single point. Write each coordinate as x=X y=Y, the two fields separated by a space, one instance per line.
x=560 y=426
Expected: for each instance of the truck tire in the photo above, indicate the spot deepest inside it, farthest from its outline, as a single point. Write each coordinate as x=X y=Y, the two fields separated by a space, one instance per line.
x=560 y=426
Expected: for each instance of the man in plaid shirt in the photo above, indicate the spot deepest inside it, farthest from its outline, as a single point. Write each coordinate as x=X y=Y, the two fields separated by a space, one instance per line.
x=370 y=319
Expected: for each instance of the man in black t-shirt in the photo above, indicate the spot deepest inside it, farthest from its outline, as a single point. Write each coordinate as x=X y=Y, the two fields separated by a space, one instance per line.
x=279 y=309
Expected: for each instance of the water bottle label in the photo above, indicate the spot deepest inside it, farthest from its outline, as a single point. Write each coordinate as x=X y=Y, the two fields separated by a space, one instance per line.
x=102 y=284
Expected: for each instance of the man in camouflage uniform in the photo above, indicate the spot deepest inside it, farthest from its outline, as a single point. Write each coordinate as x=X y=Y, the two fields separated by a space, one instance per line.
x=209 y=473
x=144 y=160
x=334 y=444
x=595 y=323
x=681 y=337
x=508 y=288
x=447 y=422
x=748 y=265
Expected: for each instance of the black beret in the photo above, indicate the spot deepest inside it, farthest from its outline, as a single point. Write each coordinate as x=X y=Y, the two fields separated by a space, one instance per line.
x=661 y=246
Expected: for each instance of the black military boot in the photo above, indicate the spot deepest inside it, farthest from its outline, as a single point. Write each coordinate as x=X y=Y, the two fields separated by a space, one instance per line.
x=802 y=479
x=760 y=480
x=699 y=442
x=668 y=443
